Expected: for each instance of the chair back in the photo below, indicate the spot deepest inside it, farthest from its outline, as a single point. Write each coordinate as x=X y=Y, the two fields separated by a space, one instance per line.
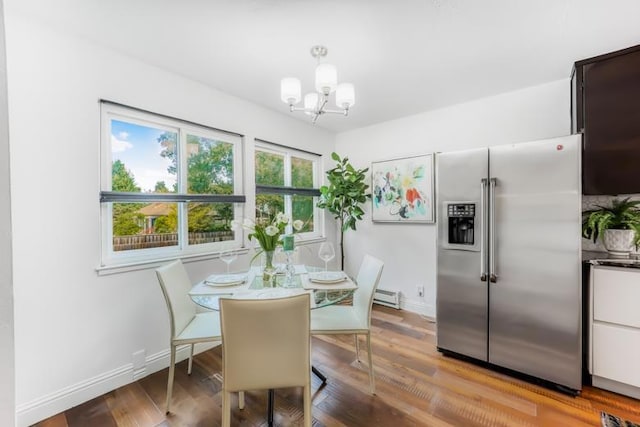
x=265 y=343
x=175 y=285
x=367 y=280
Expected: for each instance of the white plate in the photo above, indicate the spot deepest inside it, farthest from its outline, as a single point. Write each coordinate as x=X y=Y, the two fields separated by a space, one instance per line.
x=328 y=277
x=219 y=280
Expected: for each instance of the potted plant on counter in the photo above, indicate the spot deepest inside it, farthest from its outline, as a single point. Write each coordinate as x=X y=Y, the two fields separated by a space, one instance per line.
x=618 y=225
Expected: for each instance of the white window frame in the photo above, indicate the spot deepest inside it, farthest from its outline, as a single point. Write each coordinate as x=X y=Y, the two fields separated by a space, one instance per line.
x=111 y=258
x=287 y=153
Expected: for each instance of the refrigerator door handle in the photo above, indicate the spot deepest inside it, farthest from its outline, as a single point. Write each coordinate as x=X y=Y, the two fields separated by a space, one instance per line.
x=493 y=277
x=483 y=228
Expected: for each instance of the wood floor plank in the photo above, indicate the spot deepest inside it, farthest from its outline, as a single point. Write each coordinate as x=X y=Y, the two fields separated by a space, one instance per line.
x=95 y=412
x=415 y=386
x=59 y=420
x=132 y=407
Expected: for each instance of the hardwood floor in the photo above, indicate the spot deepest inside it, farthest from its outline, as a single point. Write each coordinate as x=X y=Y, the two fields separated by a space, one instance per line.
x=416 y=386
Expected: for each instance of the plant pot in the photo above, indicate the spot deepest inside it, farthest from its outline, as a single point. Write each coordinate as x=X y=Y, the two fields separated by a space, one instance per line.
x=618 y=243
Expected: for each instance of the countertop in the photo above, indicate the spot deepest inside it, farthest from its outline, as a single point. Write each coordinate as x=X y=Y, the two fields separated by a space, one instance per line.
x=603 y=258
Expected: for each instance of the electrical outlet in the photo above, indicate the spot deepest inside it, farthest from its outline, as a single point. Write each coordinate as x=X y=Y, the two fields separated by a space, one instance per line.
x=420 y=290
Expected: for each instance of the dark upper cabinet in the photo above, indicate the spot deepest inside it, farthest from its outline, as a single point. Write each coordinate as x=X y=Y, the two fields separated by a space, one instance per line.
x=606 y=108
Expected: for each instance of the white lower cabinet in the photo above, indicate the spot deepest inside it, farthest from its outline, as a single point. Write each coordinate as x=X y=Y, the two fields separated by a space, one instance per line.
x=615 y=329
x=616 y=353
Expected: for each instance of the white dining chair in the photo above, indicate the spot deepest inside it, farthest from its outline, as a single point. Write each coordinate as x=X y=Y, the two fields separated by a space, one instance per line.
x=354 y=319
x=266 y=344
x=187 y=326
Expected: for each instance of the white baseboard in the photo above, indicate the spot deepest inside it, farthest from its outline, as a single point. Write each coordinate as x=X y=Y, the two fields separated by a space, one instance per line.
x=46 y=406
x=51 y=404
x=417 y=306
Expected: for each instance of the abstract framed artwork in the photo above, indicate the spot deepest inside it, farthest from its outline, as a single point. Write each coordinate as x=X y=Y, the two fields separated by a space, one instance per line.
x=402 y=190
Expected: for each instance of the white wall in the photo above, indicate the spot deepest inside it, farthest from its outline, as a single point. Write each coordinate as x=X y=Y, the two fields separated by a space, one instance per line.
x=7 y=397
x=75 y=331
x=409 y=251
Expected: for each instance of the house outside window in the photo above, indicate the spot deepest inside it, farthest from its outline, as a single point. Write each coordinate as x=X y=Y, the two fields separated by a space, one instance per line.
x=287 y=180
x=169 y=188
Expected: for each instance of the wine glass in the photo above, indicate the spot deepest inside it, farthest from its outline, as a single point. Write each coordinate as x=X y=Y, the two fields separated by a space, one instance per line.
x=228 y=256
x=326 y=253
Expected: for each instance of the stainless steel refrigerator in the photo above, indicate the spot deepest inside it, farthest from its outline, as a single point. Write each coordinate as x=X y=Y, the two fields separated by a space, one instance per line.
x=509 y=270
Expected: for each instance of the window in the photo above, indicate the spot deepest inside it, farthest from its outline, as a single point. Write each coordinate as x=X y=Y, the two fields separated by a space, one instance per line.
x=169 y=188
x=287 y=181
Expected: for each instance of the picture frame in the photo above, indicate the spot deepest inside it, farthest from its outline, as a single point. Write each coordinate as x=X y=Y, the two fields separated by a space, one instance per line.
x=402 y=190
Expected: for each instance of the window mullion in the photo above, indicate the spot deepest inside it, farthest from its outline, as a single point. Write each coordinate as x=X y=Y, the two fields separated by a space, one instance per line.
x=287 y=170
x=183 y=222
x=288 y=199
x=318 y=217
x=238 y=185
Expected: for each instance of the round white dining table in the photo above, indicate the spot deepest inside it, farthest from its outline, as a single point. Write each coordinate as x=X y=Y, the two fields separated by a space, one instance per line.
x=325 y=288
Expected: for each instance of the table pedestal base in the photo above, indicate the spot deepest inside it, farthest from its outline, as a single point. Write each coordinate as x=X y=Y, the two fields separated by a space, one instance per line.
x=319 y=374
x=272 y=395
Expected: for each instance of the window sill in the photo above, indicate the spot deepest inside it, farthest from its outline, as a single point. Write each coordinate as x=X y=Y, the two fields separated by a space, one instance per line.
x=105 y=270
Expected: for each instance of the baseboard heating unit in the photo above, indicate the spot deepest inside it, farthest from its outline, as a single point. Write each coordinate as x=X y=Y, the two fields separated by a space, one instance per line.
x=387 y=298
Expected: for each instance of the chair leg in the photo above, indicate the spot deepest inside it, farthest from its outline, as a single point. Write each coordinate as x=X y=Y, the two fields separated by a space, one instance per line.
x=308 y=416
x=241 y=399
x=172 y=367
x=357 y=348
x=226 y=408
x=190 y=360
x=372 y=381
x=270 y=406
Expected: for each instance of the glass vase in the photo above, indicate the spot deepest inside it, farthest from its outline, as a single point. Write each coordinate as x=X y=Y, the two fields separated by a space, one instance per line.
x=269 y=271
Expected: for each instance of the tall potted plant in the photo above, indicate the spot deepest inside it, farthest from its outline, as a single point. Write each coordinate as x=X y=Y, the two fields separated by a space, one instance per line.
x=344 y=196
x=618 y=225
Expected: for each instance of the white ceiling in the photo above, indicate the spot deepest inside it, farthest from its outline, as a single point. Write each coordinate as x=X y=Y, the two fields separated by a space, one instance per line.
x=403 y=56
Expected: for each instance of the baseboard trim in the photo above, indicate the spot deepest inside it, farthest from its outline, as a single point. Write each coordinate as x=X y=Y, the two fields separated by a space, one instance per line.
x=616 y=386
x=416 y=306
x=46 y=406
x=51 y=404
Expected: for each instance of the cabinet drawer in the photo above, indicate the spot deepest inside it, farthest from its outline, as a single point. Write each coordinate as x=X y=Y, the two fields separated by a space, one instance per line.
x=616 y=352
x=616 y=293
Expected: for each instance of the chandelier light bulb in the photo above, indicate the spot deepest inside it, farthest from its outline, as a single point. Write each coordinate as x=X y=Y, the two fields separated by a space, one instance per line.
x=311 y=102
x=345 y=95
x=290 y=90
x=326 y=78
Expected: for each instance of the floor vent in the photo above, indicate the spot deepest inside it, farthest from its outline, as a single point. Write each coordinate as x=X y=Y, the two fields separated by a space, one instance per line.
x=387 y=298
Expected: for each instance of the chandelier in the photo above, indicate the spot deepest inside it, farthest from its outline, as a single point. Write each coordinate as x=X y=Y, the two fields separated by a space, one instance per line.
x=315 y=103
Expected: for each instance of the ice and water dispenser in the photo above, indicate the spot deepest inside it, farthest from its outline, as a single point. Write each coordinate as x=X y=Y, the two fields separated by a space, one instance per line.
x=461 y=224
